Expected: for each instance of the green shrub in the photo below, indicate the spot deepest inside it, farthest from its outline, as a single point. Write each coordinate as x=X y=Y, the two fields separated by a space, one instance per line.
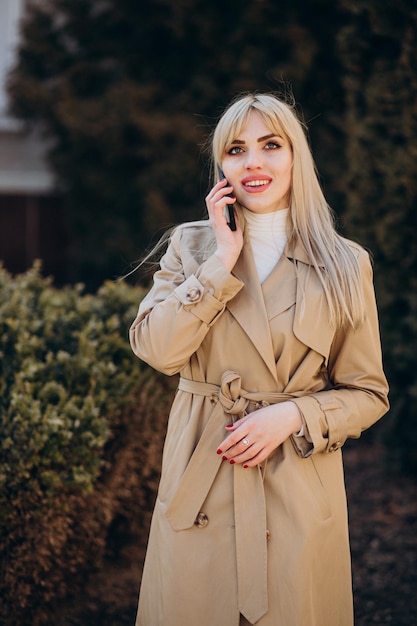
x=66 y=372
x=80 y=439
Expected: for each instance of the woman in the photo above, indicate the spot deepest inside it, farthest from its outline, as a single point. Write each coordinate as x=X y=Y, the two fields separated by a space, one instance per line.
x=273 y=329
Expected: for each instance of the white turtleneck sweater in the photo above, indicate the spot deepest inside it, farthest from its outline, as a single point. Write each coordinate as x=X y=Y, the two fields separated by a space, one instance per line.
x=268 y=236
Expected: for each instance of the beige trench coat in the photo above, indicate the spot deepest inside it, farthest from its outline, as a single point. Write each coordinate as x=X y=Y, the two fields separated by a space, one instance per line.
x=269 y=542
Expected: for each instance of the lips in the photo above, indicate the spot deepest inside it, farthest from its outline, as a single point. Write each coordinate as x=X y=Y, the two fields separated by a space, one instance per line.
x=254 y=184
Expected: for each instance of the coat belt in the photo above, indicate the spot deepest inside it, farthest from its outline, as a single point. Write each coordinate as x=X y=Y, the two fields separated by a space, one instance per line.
x=231 y=401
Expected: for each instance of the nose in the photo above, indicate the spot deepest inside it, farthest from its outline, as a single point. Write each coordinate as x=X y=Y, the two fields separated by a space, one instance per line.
x=253 y=159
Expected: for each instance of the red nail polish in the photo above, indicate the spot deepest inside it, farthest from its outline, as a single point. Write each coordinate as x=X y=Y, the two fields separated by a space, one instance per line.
x=219 y=451
x=224 y=458
x=229 y=425
x=245 y=466
x=232 y=462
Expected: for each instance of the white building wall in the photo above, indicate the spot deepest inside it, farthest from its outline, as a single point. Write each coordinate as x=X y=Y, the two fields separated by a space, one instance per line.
x=23 y=169
x=10 y=13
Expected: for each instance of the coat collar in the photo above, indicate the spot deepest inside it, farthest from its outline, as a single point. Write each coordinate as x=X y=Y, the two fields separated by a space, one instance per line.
x=311 y=320
x=297 y=252
x=249 y=308
x=293 y=280
x=255 y=305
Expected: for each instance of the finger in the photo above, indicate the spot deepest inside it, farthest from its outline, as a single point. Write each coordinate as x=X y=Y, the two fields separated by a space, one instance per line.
x=240 y=452
x=219 y=191
x=218 y=186
x=220 y=199
x=235 y=438
x=250 y=459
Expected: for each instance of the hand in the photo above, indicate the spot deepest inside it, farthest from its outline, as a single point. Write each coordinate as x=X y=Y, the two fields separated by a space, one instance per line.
x=229 y=243
x=256 y=435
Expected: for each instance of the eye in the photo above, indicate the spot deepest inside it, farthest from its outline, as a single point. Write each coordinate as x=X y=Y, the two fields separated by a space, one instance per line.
x=272 y=145
x=235 y=150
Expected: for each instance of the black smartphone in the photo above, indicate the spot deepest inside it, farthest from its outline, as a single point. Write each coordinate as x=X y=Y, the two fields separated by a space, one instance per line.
x=230 y=213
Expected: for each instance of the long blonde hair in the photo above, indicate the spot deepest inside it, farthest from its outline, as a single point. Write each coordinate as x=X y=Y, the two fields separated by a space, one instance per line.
x=311 y=219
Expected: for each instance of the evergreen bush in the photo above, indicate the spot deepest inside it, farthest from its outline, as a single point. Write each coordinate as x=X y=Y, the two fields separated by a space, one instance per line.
x=376 y=47
x=66 y=372
x=73 y=402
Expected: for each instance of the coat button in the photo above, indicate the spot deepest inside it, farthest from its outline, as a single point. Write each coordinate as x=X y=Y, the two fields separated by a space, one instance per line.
x=201 y=520
x=268 y=535
x=193 y=294
x=335 y=446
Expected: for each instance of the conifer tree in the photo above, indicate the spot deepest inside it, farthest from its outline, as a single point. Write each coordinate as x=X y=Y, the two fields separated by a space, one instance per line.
x=377 y=49
x=128 y=91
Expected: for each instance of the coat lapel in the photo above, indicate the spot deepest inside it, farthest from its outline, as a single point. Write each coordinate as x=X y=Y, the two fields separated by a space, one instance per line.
x=292 y=280
x=280 y=287
x=248 y=308
x=311 y=320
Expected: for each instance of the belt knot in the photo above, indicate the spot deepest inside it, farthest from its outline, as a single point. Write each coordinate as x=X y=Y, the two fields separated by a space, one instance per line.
x=230 y=394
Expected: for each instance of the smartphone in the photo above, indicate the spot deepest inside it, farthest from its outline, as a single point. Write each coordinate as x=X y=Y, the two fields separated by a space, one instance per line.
x=229 y=210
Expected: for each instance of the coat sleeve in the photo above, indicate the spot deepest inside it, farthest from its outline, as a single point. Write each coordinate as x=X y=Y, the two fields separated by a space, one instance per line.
x=359 y=391
x=178 y=312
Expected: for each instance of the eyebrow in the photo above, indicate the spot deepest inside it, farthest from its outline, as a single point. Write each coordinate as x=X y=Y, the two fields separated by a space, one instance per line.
x=264 y=138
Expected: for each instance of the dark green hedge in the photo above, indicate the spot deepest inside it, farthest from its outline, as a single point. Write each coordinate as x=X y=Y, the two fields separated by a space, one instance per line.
x=65 y=373
x=82 y=423
x=379 y=74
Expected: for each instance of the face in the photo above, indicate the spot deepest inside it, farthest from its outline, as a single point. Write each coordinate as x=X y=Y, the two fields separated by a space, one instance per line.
x=258 y=164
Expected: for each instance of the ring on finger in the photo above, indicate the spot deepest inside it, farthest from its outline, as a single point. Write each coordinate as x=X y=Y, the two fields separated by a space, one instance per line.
x=245 y=441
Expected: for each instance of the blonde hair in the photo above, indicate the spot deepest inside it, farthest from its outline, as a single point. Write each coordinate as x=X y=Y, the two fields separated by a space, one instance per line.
x=311 y=221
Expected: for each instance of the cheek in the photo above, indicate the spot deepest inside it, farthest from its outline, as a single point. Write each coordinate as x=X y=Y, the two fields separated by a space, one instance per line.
x=228 y=169
x=287 y=171
x=285 y=175
x=233 y=175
